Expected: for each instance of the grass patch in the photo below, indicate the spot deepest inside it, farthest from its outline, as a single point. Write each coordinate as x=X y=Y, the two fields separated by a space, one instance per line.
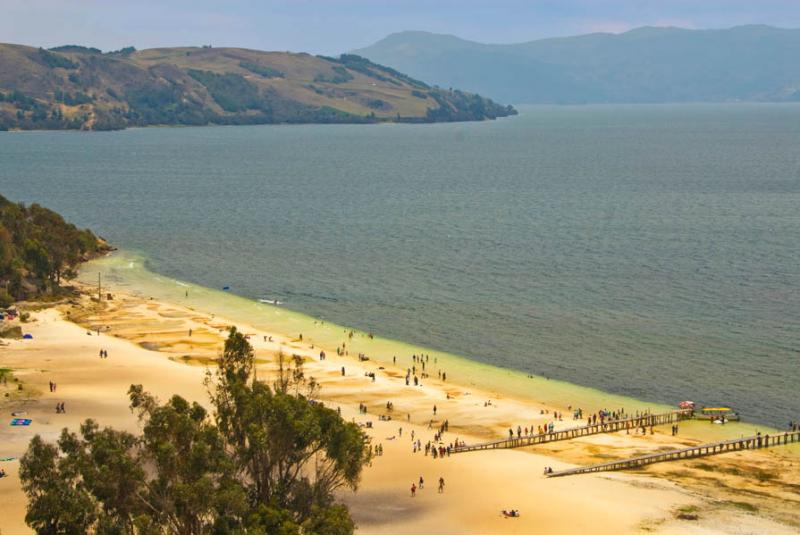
x=688 y=509
x=687 y=512
x=744 y=506
x=606 y=456
x=752 y=472
x=763 y=475
x=6 y=375
x=678 y=473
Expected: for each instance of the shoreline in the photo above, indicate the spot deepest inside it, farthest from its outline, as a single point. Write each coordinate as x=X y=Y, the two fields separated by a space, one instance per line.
x=125 y=268
x=148 y=342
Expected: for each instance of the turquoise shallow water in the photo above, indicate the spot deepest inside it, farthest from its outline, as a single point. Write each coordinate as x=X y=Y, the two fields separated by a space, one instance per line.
x=647 y=251
x=128 y=272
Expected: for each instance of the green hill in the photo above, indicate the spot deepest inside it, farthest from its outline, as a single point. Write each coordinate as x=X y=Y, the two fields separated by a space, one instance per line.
x=74 y=87
x=753 y=63
x=38 y=250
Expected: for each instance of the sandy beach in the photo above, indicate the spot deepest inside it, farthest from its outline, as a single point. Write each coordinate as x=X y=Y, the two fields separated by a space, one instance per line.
x=169 y=347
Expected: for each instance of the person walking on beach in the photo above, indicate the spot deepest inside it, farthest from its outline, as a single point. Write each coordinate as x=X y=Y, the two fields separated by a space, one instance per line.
x=413 y=490
x=441 y=485
x=434 y=410
x=421 y=483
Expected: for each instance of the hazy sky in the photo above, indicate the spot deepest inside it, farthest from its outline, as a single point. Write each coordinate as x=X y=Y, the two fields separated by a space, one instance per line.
x=333 y=26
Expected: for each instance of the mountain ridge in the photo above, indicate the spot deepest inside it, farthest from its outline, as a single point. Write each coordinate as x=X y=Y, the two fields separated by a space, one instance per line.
x=645 y=64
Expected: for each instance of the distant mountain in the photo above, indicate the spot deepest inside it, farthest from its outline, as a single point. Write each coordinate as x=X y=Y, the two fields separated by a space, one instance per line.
x=79 y=87
x=756 y=63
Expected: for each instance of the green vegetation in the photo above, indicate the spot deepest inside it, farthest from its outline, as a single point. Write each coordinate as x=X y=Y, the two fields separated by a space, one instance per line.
x=459 y=106
x=687 y=512
x=268 y=460
x=31 y=113
x=126 y=51
x=14 y=332
x=377 y=71
x=339 y=76
x=231 y=91
x=753 y=472
x=54 y=60
x=261 y=70
x=76 y=48
x=744 y=506
x=365 y=67
x=11 y=385
x=73 y=99
x=38 y=250
x=76 y=87
x=378 y=104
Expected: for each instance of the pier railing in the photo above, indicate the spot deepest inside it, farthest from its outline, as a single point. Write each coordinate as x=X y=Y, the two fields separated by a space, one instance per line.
x=703 y=450
x=608 y=426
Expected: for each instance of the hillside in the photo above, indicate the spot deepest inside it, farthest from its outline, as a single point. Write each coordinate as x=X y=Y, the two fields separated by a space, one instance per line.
x=753 y=63
x=38 y=250
x=73 y=87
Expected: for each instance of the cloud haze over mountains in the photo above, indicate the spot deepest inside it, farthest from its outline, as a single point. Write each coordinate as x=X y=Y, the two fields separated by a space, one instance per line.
x=752 y=63
x=334 y=26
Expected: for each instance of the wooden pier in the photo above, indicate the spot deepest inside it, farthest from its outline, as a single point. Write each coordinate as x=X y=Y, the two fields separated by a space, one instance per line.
x=609 y=426
x=703 y=450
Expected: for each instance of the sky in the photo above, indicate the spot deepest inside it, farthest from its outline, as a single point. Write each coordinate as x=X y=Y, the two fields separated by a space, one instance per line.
x=335 y=26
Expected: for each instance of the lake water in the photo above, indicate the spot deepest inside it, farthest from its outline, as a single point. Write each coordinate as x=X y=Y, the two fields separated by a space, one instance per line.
x=647 y=251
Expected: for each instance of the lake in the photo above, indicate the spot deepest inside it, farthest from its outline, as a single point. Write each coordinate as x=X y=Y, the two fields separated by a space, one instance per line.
x=646 y=251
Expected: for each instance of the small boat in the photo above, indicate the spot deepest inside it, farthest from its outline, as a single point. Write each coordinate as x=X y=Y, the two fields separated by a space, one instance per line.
x=717 y=414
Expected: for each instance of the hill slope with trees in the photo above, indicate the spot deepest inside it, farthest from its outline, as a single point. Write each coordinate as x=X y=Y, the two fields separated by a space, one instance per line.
x=74 y=87
x=38 y=251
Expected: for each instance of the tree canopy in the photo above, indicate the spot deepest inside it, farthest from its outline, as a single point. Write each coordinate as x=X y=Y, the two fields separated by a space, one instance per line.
x=37 y=250
x=268 y=459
